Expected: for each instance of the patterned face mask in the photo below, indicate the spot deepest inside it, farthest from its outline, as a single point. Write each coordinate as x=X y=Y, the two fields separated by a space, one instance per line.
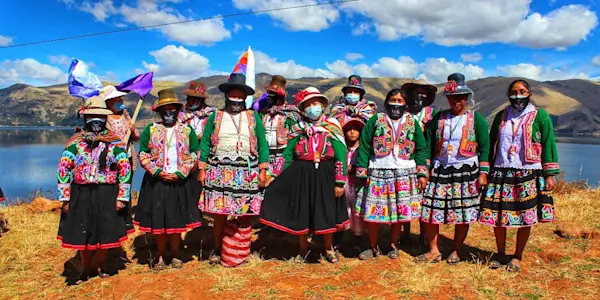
x=394 y=110
x=95 y=125
x=236 y=105
x=169 y=117
x=519 y=102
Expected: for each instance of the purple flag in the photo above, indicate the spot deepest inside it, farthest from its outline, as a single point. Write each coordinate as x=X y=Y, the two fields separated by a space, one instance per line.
x=141 y=84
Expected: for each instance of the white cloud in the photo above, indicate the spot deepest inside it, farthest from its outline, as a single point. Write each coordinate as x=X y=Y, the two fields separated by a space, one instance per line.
x=101 y=10
x=62 y=60
x=596 y=60
x=362 y=28
x=436 y=70
x=492 y=56
x=248 y=27
x=289 y=68
x=237 y=27
x=178 y=64
x=471 y=57
x=354 y=56
x=31 y=71
x=509 y=21
x=541 y=73
x=5 y=40
x=315 y=18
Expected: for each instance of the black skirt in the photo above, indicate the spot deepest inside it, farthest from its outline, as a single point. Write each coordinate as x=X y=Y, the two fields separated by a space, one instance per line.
x=302 y=199
x=92 y=221
x=168 y=207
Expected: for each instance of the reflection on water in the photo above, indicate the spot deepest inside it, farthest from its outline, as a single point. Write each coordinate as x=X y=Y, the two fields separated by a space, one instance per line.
x=32 y=135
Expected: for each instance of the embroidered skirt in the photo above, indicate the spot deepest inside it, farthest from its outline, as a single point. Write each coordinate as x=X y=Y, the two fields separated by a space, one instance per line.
x=357 y=226
x=390 y=196
x=92 y=221
x=168 y=207
x=231 y=187
x=451 y=197
x=303 y=199
x=236 y=245
x=276 y=161
x=516 y=198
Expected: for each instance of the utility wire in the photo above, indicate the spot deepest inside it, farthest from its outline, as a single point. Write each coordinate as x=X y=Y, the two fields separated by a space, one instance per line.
x=175 y=23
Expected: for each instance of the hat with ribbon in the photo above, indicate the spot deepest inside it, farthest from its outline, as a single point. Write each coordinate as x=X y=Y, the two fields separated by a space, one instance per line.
x=309 y=93
x=166 y=97
x=457 y=85
x=110 y=92
x=95 y=106
x=430 y=90
x=196 y=89
x=277 y=85
x=354 y=81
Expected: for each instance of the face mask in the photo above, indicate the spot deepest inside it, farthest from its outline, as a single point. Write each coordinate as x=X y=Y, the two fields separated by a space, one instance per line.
x=95 y=125
x=194 y=107
x=313 y=112
x=169 y=117
x=419 y=102
x=395 y=111
x=118 y=106
x=519 y=103
x=352 y=98
x=236 y=105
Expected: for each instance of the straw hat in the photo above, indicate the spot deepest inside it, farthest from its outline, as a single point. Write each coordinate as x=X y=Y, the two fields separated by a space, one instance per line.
x=95 y=106
x=309 y=93
x=165 y=97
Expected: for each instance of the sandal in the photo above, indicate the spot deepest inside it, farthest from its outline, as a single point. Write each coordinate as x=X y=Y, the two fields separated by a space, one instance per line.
x=510 y=267
x=368 y=254
x=424 y=259
x=299 y=259
x=160 y=266
x=496 y=262
x=82 y=278
x=332 y=257
x=453 y=259
x=393 y=254
x=176 y=263
x=102 y=274
x=214 y=258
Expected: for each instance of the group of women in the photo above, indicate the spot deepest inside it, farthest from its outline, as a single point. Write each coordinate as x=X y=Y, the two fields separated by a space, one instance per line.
x=304 y=171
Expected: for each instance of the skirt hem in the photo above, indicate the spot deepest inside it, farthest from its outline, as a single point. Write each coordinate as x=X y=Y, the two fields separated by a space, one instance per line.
x=98 y=246
x=167 y=230
x=338 y=227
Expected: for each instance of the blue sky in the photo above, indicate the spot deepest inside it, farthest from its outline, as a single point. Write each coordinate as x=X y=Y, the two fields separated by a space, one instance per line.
x=542 y=40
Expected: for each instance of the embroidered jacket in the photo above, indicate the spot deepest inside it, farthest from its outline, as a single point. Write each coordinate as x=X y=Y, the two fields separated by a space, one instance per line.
x=152 y=148
x=81 y=165
x=187 y=117
x=258 y=141
x=329 y=146
x=424 y=116
x=364 y=110
x=284 y=124
x=538 y=139
x=376 y=140
x=474 y=138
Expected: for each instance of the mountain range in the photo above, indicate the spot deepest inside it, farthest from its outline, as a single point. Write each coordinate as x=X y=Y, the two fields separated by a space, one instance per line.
x=573 y=104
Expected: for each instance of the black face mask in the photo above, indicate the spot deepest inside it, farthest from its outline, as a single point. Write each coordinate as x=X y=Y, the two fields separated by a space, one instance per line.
x=272 y=99
x=418 y=105
x=519 y=103
x=95 y=125
x=235 y=106
x=169 y=117
x=395 y=111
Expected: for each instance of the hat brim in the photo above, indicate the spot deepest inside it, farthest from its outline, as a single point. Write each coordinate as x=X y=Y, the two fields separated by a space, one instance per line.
x=324 y=100
x=431 y=90
x=460 y=91
x=361 y=124
x=168 y=102
x=228 y=86
x=345 y=88
x=115 y=94
x=97 y=111
x=191 y=93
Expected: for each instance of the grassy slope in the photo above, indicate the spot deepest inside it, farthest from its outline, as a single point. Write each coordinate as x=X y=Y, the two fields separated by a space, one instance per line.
x=31 y=263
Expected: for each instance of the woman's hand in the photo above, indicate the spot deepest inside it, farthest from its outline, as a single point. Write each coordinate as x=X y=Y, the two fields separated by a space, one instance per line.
x=550 y=183
x=339 y=191
x=65 y=207
x=482 y=181
x=202 y=176
x=120 y=205
x=422 y=184
x=262 y=178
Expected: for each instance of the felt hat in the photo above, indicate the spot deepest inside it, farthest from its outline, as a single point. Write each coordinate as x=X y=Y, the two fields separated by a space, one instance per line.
x=95 y=105
x=354 y=81
x=457 y=85
x=353 y=121
x=110 y=92
x=165 y=97
x=196 y=89
x=277 y=85
x=236 y=81
x=309 y=93
x=430 y=90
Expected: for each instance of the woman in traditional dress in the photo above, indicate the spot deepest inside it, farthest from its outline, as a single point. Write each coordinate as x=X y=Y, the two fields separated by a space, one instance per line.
x=392 y=156
x=460 y=143
x=196 y=111
x=522 y=178
x=354 y=104
x=168 y=203
x=93 y=184
x=234 y=164
x=308 y=195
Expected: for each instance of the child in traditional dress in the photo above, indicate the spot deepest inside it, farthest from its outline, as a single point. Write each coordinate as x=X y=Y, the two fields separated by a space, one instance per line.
x=352 y=129
x=522 y=178
x=460 y=144
x=392 y=156
x=170 y=189
x=234 y=164
x=308 y=195
x=93 y=184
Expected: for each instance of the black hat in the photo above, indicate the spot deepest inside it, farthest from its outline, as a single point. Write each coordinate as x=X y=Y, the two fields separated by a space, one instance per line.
x=354 y=81
x=236 y=81
x=430 y=89
x=457 y=85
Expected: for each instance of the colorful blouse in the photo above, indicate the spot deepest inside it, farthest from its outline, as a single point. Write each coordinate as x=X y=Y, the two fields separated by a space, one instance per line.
x=403 y=145
x=538 y=142
x=459 y=140
x=364 y=110
x=318 y=142
x=424 y=116
x=256 y=141
x=153 y=144
x=278 y=121
x=196 y=119
x=81 y=165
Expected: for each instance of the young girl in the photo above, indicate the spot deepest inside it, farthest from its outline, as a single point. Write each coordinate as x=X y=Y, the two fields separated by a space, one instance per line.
x=170 y=189
x=308 y=196
x=525 y=161
x=392 y=155
x=352 y=129
x=93 y=184
x=460 y=144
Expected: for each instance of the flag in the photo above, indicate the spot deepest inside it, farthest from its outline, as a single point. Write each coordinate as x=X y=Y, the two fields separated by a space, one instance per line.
x=246 y=66
x=83 y=83
x=141 y=84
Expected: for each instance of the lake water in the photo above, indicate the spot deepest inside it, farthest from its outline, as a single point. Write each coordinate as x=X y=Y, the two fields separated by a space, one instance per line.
x=29 y=157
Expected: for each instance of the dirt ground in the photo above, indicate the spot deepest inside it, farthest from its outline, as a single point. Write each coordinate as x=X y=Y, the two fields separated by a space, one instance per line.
x=33 y=265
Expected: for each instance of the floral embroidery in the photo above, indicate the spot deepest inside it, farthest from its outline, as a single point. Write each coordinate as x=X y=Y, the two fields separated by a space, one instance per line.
x=468 y=142
x=451 y=86
x=154 y=161
x=340 y=178
x=214 y=138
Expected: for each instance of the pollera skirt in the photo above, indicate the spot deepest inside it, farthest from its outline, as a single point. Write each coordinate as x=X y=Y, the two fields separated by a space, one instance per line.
x=516 y=198
x=390 y=196
x=451 y=196
x=276 y=161
x=302 y=199
x=231 y=187
x=168 y=207
x=92 y=221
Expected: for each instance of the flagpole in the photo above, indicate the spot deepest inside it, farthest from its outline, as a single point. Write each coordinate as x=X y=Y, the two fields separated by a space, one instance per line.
x=133 y=119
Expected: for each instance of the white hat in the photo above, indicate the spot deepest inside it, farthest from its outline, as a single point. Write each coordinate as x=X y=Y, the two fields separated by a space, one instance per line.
x=308 y=93
x=111 y=92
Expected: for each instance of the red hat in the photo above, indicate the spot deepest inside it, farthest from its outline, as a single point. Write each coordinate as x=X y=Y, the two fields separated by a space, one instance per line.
x=353 y=121
x=196 y=89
